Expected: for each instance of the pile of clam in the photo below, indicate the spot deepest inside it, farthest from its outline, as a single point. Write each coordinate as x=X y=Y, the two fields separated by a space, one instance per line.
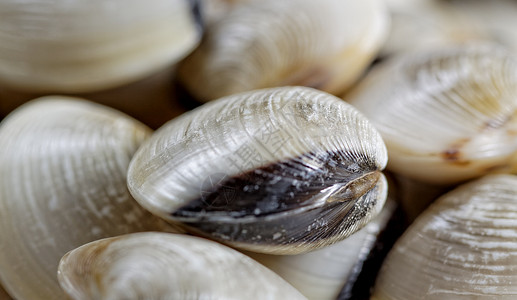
x=331 y=149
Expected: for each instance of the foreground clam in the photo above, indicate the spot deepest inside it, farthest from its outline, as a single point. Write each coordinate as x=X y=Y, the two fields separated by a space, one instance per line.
x=166 y=266
x=462 y=247
x=282 y=170
x=63 y=166
x=445 y=115
x=324 y=44
x=83 y=46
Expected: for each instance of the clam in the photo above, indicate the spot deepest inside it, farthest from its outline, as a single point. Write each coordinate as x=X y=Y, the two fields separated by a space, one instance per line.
x=445 y=115
x=322 y=44
x=63 y=166
x=281 y=170
x=166 y=266
x=324 y=273
x=83 y=46
x=462 y=247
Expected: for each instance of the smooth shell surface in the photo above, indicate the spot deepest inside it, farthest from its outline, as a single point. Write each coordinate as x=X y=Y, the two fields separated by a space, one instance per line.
x=323 y=273
x=281 y=170
x=462 y=247
x=63 y=166
x=166 y=266
x=83 y=46
x=324 y=44
x=445 y=116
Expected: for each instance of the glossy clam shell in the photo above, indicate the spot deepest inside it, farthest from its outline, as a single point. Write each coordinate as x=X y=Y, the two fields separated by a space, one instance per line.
x=281 y=170
x=322 y=44
x=462 y=247
x=63 y=166
x=447 y=115
x=166 y=266
x=83 y=46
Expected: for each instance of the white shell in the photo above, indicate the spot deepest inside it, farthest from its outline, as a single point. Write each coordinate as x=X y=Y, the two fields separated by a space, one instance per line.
x=166 y=266
x=276 y=170
x=462 y=247
x=324 y=44
x=447 y=115
x=81 y=46
x=322 y=274
x=63 y=166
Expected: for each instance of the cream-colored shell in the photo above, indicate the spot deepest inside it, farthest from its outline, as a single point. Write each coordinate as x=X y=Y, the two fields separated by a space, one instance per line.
x=63 y=166
x=323 y=273
x=462 y=247
x=446 y=115
x=83 y=46
x=324 y=44
x=285 y=166
x=166 y=266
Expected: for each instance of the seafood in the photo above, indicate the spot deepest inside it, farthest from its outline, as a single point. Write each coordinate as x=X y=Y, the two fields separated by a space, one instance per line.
x=84 y=46
x=281 y=170
x=324 y=44
x=63 y=167
x=461 y=247
x=446 y=116
x=166 y=266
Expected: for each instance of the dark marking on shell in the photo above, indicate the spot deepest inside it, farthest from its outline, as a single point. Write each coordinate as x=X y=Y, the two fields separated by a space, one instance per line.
x=257 y=201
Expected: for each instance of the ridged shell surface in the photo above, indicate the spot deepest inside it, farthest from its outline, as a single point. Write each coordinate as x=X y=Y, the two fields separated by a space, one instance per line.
x=83 y=46
x=447 y=115
x=462 y=247
x=281 y=170
x=166 y=266
x=324 y=44
x=63 y=166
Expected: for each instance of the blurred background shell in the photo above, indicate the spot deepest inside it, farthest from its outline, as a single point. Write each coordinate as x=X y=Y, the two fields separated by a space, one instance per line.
x=325 y=44
x=281 y=170
x=166 y=266
x=446 y=115
x=462 y=247
x=63 y=167
x=84 y=46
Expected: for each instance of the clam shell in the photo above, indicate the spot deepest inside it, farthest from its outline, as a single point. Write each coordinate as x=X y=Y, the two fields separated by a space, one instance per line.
x=63 y=166
x=166 y=266
x=462 y=247
x=83 y=46
x=446 y=116
x=281 y=170
x=324 y=44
